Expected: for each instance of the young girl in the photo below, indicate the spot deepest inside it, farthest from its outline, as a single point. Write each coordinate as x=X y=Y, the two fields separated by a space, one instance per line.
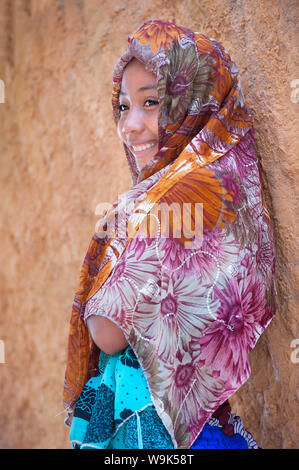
x=178 y=284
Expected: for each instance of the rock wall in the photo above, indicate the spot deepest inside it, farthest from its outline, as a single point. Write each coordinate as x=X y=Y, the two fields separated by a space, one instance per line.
x=60 y=157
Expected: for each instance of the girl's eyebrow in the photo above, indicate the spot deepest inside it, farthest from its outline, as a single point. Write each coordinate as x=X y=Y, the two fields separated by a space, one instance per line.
x=143 y=88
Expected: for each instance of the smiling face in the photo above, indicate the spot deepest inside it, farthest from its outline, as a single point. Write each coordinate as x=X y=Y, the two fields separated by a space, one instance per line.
x=139 y=108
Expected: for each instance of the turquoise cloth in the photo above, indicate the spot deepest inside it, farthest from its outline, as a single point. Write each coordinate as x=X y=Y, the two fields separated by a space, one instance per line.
x=115 y=411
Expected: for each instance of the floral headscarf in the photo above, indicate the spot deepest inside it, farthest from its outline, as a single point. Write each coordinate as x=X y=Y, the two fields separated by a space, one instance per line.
x=192 y=300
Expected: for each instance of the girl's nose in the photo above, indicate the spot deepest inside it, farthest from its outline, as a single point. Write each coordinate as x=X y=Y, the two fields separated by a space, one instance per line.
x=133 y=121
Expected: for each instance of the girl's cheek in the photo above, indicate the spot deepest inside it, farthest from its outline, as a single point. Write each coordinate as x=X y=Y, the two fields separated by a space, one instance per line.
x=154 y=125
x=119 y=132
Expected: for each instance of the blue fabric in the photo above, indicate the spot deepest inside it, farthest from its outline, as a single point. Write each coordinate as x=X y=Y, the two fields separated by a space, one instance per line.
x=115 y=411
x=211 y=437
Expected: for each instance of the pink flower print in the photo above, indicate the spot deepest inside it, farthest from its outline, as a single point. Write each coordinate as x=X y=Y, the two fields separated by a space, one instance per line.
x=118 y=271
x=246 y=261
x=139 y=244
x=269 y=313
x=217 y=249
x=265 y=255
x=177 y=86
x=231 y=185
x=118 y=295
x=184 y=378
x=244 y=155
x=227 y=342
x=184 y=374
x=169 y=305
x=170 y=319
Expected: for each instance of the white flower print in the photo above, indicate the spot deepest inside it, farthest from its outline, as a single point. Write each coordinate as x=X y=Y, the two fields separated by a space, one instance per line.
x=118 y=296
x=169 y=320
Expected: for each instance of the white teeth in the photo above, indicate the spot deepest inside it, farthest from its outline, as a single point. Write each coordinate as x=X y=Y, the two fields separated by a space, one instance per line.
x=138 y=148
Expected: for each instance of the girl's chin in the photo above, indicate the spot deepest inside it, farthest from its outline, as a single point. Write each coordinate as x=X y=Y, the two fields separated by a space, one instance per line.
x=142 y=160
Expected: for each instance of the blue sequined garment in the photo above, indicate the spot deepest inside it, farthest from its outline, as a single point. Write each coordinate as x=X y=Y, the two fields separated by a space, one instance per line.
x=115 y=411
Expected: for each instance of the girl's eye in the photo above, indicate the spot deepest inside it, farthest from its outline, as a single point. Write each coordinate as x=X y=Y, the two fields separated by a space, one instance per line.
x=151 y=103
x=148 y=103
x=122 y=107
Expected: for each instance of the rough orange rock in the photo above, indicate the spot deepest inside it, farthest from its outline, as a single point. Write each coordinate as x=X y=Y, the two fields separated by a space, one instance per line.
x=60 y=158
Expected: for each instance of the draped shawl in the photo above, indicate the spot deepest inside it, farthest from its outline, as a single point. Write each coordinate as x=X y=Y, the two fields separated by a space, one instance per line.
x=184 y=261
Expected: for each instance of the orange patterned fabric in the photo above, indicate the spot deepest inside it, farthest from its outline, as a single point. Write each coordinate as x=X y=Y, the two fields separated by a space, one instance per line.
x=192 y=300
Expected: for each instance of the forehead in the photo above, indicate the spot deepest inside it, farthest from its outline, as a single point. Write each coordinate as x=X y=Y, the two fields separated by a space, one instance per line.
x=137 y=78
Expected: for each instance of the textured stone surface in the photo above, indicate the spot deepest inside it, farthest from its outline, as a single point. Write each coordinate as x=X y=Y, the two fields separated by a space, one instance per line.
x=60 y=157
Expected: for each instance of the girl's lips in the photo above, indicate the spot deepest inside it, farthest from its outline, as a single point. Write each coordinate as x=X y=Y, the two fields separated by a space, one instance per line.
x=143 y=147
